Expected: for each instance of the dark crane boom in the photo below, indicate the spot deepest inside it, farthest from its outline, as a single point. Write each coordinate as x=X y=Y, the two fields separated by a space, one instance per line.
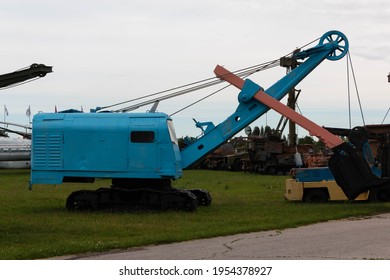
x=34 y=71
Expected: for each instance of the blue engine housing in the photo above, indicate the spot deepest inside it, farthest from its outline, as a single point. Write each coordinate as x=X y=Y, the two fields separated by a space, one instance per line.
x=313 y=174
x=84 y=146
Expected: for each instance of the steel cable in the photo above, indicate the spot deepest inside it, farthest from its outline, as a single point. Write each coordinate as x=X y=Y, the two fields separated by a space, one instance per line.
x=195 y=86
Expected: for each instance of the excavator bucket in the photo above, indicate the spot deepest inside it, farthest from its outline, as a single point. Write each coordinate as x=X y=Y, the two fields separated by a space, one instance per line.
x=352 y=173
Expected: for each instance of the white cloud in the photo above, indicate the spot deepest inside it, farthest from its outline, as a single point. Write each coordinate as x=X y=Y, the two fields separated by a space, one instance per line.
x=106 y=51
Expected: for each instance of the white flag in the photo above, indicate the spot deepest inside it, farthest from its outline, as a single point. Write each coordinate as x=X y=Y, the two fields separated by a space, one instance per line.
x=28 y=112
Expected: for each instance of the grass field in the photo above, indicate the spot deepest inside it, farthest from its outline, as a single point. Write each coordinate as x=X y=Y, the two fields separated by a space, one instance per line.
x=35 y=224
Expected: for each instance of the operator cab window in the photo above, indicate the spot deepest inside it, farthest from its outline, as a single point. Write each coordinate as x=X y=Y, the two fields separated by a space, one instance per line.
x=142 y=136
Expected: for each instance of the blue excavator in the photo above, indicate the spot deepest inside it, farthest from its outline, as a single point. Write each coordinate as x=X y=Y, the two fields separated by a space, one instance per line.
x=139 y=152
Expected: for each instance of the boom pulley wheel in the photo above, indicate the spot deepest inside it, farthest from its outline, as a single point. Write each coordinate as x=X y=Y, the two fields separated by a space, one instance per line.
x=339 y=39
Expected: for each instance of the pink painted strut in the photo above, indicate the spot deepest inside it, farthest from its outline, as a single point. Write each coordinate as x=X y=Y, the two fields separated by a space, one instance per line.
x=324 y=135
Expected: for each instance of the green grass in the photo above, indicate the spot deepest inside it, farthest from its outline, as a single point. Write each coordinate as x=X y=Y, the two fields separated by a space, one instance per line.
x=35 y=224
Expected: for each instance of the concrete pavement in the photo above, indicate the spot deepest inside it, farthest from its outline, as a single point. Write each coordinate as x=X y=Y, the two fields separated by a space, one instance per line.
x=357 y=238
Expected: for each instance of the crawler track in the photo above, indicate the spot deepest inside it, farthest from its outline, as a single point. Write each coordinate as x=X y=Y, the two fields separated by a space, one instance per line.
x=129 y=199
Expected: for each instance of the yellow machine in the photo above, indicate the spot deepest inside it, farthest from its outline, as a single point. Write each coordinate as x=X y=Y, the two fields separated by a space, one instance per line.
x=317 y=184
x=320 y=191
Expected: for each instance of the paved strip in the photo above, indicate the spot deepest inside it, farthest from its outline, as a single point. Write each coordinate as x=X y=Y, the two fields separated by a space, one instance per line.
x=357 y=238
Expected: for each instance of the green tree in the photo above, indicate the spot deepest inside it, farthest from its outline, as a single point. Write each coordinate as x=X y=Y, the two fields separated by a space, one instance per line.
x=306 y=140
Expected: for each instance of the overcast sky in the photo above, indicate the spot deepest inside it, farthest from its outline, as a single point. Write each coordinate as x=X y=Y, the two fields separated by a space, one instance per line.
x=108 y=51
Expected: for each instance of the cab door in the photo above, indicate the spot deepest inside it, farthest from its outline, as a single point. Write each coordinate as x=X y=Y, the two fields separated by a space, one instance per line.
x=143 y=147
